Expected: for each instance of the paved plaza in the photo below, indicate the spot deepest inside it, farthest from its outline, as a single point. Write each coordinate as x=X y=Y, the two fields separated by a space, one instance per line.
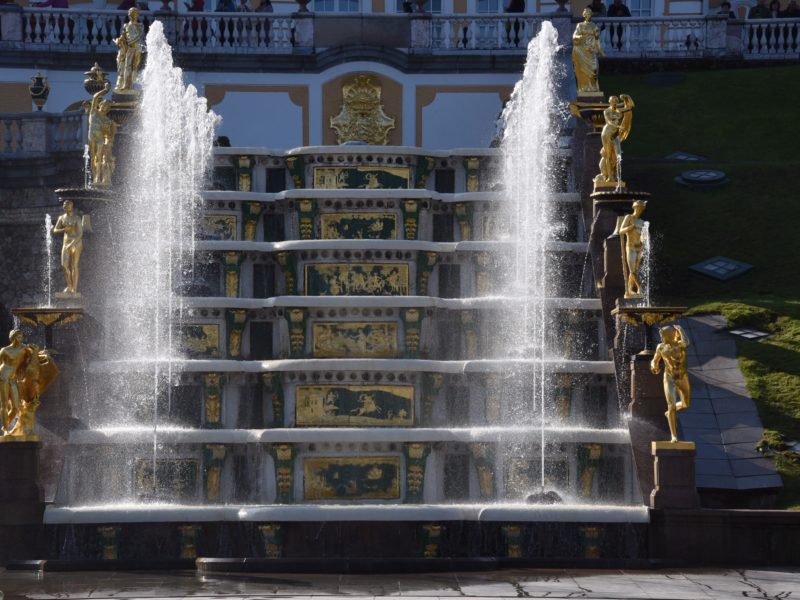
x=699 y=584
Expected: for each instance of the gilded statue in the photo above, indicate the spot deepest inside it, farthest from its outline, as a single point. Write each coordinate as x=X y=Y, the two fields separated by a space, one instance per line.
x=585 y=52
x=632 y=249
x=71 y=225
x=362 y=118
x=618 y=119
x=101 y=138
x=672 y=351
x=129 y=55
x=25 y=373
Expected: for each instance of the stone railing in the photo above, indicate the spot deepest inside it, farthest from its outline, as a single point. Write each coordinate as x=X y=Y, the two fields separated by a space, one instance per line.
x=27 y=135
x=56 y=30
x=771 y=38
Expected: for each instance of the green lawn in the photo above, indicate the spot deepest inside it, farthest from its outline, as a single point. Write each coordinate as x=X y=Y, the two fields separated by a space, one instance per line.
x=745 y=123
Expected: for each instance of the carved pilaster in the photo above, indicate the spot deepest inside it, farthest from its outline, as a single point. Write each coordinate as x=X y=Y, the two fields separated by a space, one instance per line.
x=273 y=387
x=306 y=213
x=212 y=400
x=492 y=407
x=464 y=212
x=563 y=395
x=232 y=265
x=425 y=166
x=482 y=269
x=472 y=168
x=296 y=317
x=425 y=263
x=483 y=455
x=250 y=214
x=283 y=455
x=272 y=538
x=431 y=534
x=244 y=173
x=287 y=261
x=188 y=536
x=416 y=459
x=109 y=542
x=297 y=169
x=469 y=320
x=588 y=461
x=412 y=325
x=411 y=218
x=591 y=541
x=431 y=385
x=513 y=538
x=213 y=461
x=235 y=320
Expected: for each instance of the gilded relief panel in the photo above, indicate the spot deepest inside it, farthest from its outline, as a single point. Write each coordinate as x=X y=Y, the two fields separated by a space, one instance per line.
x=352 y=478
x=355 y=340
x=199 y=340
x=356 y=279
x=358 y=226
x=218 y=227
x=176 y=479
x=355 y=405
x=365 y=177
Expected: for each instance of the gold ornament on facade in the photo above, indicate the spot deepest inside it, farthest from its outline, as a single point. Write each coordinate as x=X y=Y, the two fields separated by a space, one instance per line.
x=618 y=121
x=25 y=373
x=129 y=54
x=585 y=52
x=672 y=352
x=362 y=118
x=630 y=231
x=72 y=226
x=102 y=128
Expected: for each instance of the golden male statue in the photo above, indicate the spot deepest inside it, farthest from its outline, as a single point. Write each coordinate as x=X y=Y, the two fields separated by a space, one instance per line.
x=618 y=120
x=71 y=225
x=672 y=351
x=130 y=51
x=633 y=246
x=585 y=52
x=101 y=138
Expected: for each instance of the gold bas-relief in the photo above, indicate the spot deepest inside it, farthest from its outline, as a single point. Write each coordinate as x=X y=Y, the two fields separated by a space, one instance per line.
x=672 y=352
x=352 y=478
x=356 y=226
x=355 y=405
x=362 y=177
x=72 y=226
x=25 y=373
x=361 y=118
x=356 y=279
x=130 y=46
x=178 y=476
x=376 y=339
x=618 y=120
x=632 y=249
x=219 y=227
x=585 y=52
x=200 y=340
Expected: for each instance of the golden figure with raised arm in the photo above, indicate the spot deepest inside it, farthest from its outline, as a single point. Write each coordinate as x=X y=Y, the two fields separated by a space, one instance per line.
x=71 y=225
x=585 y=52
x=101 y=138
x=130 y=51
x=618 y=120
x=632 y=248
x=672 y=352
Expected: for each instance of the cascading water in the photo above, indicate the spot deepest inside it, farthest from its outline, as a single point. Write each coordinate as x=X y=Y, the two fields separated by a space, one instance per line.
x=645 y=269
x=170 y=155
x=48 y=258
x=528 y=147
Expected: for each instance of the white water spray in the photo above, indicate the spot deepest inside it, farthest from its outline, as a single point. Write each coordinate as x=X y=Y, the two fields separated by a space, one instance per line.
x=48 y=258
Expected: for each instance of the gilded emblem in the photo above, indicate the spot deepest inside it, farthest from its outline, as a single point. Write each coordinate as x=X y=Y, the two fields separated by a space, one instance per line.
x=355 y=340
x=362 y=118
x=358 y=226
x=355 y=405
x=199 y=340
x=362 y=177
x=218 y=227
x=352 y=478
x=356 y=279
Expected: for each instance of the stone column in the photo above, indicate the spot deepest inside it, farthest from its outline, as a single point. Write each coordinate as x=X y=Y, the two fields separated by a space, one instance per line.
x=421 y=39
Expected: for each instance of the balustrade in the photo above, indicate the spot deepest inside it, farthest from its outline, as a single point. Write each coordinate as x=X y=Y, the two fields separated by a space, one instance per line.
x=771 y=38
x=653 y=36
x=31 y=134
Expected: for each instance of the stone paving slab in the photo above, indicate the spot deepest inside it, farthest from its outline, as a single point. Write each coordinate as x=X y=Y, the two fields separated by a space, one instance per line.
x=611 y=584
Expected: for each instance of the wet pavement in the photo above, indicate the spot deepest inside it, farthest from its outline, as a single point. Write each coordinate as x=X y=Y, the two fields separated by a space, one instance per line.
x=684 y=584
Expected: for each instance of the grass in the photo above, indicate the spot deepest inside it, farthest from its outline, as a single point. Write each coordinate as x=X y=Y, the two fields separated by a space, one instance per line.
x=742 y=121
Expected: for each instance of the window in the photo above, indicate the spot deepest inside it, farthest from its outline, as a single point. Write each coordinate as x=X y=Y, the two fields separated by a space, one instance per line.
x=640 y=8
x=336 y=5
x=489 y=6
x=435 y=7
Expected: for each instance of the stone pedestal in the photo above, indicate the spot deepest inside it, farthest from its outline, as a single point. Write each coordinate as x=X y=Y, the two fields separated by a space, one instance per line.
x=21 y=505
x=673 y=470
x=10 y=23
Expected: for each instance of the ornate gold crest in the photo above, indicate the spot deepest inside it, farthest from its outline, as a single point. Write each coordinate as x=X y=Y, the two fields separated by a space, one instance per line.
x=362 y=118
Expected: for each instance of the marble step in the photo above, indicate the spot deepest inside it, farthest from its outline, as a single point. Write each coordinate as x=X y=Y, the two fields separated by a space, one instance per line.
x=380 y=194
x=382 y=245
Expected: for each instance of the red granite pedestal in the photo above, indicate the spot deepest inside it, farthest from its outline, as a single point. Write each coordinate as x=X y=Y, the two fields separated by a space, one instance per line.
x=673 y=466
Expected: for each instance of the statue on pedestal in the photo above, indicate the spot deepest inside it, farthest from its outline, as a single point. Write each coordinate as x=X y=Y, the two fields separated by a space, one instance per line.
x=585 y=51
x=101 y=137
x=25 y=373
x=632 y=249
x=129 y=55
x=672 y=351
x=618 y=120
x=71 y=225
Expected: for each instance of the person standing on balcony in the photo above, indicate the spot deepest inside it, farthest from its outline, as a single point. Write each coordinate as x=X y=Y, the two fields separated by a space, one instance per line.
x=126 y=5
x=265 y=6
x=617 y=10
x=226 y=6
x=774 y=9
x=792 y=11
x=725 y=10
x=598 y=8
x=759 y=11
